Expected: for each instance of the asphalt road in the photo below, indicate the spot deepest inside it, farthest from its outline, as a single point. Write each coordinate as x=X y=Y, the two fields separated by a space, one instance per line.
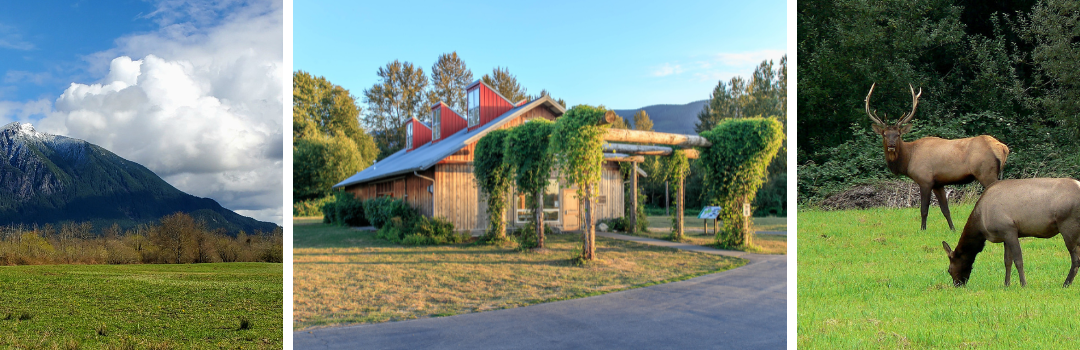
x=743 y=308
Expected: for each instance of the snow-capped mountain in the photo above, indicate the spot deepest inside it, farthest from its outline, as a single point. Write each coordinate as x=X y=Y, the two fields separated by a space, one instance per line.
x=47 y=178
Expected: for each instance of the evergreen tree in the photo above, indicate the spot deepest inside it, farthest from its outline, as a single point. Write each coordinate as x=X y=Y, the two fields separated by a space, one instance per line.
x=398 y=96
x=544 y=92
x=505 y=84
x=449 y=77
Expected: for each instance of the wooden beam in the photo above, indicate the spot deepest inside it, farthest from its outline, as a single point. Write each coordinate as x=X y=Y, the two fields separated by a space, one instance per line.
x=620 y=157
x=634 y=136
x=633 y=200
x=642 y=150
x=609 y=118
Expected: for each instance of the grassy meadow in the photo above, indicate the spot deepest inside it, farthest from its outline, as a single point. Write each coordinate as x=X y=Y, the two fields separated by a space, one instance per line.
x=342 y=275
x=186 y=306
x=872 y=279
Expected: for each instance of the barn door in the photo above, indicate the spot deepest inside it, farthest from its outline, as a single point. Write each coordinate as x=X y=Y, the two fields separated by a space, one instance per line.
x=570 y=219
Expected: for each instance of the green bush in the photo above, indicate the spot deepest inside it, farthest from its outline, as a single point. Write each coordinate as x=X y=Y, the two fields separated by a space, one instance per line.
x=526 y=238
x=380 y=210
x=311 y=207
x=345 y=210
x=420 y=230
x=619 y=224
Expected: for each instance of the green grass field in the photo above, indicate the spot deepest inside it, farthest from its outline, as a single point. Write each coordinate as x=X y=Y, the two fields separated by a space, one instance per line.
x=660 y=228
x=872 y=279
x=346 y=276
x=189 y=306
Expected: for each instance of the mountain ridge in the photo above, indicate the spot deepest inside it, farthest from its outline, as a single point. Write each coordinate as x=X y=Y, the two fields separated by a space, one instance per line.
x=50 y=179
x=671 y=118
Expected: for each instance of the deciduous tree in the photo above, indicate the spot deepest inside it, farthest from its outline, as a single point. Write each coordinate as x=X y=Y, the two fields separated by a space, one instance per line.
x=449 y=77
x=398 y=96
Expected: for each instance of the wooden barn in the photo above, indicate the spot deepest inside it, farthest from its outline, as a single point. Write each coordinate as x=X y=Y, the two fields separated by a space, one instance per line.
x=434 y=172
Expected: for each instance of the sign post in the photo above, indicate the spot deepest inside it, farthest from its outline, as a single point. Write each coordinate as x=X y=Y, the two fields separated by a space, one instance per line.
x=709 y=213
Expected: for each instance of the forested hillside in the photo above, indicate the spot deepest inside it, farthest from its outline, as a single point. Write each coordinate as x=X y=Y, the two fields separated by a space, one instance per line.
x=1005 y=69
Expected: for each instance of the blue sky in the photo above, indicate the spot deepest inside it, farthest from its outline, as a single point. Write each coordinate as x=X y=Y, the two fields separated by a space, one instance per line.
x=191 y=89
x=43 y=43
x=622 y=54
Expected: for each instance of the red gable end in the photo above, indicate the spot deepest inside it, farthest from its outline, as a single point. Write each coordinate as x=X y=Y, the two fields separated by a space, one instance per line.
x=416 y=134
x=445 y=122
x=491 y=103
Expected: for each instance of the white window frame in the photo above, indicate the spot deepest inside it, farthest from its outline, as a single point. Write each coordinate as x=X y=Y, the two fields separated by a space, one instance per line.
x=520 y=212
x=408 y=135
x=474 y=107
x=436 y=122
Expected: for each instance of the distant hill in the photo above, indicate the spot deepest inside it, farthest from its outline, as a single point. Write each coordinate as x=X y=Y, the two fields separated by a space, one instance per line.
x=679 y=119
x=47 y=178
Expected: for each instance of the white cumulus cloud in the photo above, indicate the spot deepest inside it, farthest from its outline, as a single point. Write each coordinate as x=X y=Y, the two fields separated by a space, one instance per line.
x=200 y=106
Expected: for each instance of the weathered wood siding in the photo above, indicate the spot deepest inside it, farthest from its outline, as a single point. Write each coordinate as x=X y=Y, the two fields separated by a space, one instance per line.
x=416 y=191
x=611 y=188
x=456 y=196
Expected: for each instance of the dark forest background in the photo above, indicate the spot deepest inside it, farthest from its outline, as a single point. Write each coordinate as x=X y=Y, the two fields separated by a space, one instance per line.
x=1009 y=69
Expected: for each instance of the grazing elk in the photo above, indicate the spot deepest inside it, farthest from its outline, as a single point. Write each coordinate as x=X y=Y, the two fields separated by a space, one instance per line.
x=934 y=162
x=1011 y=209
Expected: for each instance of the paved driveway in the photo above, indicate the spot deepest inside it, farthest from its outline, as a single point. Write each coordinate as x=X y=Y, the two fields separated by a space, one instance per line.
x=743 y=308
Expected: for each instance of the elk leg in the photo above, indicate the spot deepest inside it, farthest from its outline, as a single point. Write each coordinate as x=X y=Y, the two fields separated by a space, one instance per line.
x=1008 y=264
x=1072 y=237
x=944 y=202
x=1013 y=245
x=924 y=194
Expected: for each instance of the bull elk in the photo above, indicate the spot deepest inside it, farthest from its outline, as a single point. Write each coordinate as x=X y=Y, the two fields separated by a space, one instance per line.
x=1011 y=209
x=934 y=162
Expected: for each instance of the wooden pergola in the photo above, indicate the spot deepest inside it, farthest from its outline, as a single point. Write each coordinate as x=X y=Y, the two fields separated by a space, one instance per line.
x=635 y=154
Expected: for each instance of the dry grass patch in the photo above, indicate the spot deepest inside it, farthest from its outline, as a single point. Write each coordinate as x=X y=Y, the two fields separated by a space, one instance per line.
x=342 y=275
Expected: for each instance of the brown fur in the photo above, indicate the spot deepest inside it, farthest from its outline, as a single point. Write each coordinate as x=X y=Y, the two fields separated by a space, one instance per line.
x=934 y=162
x=1011 y=209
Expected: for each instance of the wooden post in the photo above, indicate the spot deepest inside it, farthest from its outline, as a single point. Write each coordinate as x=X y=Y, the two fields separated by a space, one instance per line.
x=538 y=212
x=588 y=252
x=633 y=199
x=679 y=211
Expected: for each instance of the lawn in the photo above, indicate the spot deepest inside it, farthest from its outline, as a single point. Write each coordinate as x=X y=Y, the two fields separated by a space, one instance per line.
x=190 y=306
x=342 y=275
x=872 y=279
x=660 y=228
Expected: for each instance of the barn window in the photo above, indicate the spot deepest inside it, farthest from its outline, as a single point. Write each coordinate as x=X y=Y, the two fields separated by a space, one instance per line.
x=408 y=135
x=474 y=106
x=551 y=204
x=436 y=130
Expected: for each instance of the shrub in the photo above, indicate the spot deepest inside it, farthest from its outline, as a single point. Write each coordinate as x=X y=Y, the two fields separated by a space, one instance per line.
x=619 y=224
x=379 y=211
x=312 y=207
x=345 y=209
x=525 y=237
x=420 y=230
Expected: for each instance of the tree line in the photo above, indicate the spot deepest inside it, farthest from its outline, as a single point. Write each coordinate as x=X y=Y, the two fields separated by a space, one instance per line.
x=1005 y=69
x=176 y=239
x=334 y=137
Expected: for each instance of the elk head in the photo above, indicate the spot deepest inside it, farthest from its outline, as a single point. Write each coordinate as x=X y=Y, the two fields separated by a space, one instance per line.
x=959 y=267
x=892 y=133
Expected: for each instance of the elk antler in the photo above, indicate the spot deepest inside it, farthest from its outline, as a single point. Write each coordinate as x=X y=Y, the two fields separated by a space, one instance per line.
x=873 y=115
x=914 y=104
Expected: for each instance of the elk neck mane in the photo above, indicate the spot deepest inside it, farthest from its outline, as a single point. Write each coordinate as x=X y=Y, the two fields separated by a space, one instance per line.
x=972 y=240
x=899 y=166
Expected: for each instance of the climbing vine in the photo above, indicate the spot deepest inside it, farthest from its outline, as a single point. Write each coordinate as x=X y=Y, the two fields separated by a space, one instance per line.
x=734 y=169
x=493 y=177
x=527 y=153
x=576 y=146
x=674 y=169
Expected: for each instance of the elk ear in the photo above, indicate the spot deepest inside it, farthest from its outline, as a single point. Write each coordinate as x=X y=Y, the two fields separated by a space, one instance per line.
x=906 y=128
x=880 y=130
x=948 y=250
